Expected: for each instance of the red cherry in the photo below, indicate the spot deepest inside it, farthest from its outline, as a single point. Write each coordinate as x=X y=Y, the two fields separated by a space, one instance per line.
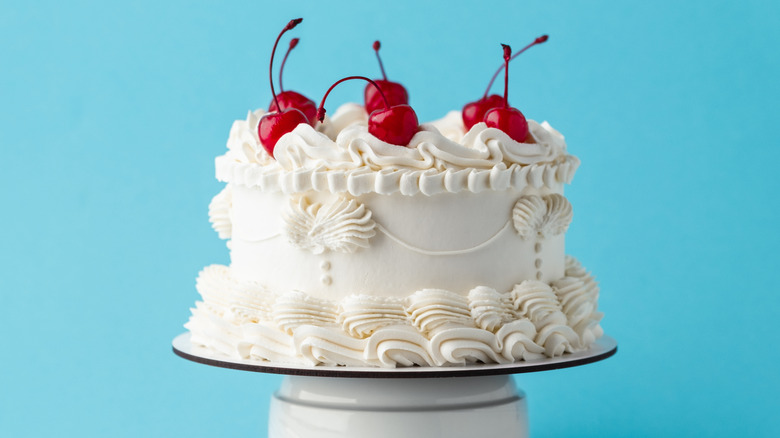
x=293 y=99
x=474 y=112
x=510 y=120
x=394 y=93
x=392 y=124
x=395 y=125
x=273 y=126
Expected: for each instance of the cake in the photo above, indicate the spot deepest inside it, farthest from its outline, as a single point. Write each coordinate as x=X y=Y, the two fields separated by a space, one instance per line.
x=349 y=247
x=349 y=251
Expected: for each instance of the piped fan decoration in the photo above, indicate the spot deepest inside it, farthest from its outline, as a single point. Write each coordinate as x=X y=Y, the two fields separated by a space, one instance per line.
x=431 y=327
x=220 y=213
x=541 y=216
x=342 y=225
x=537 y=301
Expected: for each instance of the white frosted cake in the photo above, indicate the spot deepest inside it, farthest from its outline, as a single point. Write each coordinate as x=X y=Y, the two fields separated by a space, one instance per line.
x=346 y=250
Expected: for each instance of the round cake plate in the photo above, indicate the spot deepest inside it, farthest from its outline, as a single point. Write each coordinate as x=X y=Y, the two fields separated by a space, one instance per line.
x=601 y=349
x=355 y=402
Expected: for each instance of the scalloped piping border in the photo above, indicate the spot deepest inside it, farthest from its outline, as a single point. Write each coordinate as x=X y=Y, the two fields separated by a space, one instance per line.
x=389 y=181
x=312 y=343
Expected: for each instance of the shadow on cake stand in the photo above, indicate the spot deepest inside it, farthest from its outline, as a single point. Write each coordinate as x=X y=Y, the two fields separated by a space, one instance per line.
x=354 y=402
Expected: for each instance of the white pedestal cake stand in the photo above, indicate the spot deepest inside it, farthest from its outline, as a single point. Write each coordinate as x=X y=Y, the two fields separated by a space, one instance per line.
x=348 y=402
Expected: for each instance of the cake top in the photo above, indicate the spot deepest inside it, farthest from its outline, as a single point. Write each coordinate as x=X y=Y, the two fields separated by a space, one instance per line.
x=381 y=147
x=340 y=155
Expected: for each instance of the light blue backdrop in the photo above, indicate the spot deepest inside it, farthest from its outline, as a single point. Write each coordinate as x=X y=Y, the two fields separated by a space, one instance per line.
x=112 y=115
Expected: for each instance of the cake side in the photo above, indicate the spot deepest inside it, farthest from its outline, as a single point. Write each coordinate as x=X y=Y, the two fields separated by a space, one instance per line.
x=332 y=245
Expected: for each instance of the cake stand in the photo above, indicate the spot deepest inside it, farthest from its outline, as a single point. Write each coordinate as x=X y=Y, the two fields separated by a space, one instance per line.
x=353 y=402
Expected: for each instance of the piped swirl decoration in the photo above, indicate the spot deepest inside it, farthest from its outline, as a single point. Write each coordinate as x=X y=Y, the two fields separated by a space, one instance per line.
x=342 y=157
x=578 y=294
x=363 y=315
x=219 y=213
x=431 y=327
x=343 y=225
x=489 y=308
x=537 y=302
x=542 y=216
x=244 y=144
x=296 y=309
x=432 y=309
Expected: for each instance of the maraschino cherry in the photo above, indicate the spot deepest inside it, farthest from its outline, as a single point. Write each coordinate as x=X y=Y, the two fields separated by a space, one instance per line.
x=394 y=124
x=273 y=125
x=508 y=119
x=293 y=99
x=474 y=112
x=394 y=93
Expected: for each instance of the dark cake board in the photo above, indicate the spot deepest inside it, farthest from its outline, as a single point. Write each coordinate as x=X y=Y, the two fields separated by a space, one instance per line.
x=602 y=349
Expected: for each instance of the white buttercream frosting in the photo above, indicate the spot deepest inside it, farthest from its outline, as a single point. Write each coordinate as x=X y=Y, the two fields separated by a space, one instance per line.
x=362 y=315
x=346 y=115
x=220 y=213
x=430 y=327
x=480 y=148
x=537 y=302
x=541 y=216
x=341 y=156
x=451 y=126
x=295 y=309
x=432 y=309
x=489 y=308
x=578 y=294
x=243 y=142
x=343 y=225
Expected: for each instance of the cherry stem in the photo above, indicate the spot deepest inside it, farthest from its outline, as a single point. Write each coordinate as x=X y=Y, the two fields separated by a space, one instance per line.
x=289 y=26
x=507 y=57
x=293 y=43
x=321 y=109
x=376 y=46
x=539 y=40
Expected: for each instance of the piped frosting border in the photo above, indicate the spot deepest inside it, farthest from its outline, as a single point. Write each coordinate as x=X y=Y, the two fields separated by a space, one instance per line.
x=431 y=327
x=342 y=157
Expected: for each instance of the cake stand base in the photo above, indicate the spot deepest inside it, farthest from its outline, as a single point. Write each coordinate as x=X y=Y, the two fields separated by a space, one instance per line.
x=414 y=402
x=314 y=407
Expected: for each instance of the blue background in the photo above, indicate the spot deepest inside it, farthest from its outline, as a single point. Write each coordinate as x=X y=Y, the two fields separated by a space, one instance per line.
x=112 y=115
